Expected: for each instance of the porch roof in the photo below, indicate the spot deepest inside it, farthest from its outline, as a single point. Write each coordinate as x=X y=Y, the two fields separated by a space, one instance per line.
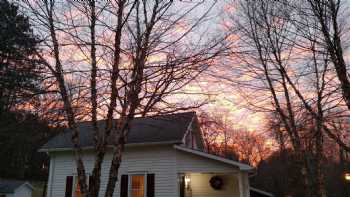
x=241 y=166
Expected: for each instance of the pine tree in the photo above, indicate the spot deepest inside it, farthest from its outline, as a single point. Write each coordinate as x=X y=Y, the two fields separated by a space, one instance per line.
x=18 y=67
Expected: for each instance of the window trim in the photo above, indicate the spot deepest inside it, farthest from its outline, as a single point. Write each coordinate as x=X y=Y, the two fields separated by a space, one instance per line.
x=144 y=174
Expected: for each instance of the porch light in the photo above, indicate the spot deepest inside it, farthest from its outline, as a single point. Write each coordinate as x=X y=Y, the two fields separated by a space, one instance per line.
x=187 y=182
x=347 y=176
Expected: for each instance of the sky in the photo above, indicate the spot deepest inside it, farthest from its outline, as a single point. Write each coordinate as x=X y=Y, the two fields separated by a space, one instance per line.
x=225 y=98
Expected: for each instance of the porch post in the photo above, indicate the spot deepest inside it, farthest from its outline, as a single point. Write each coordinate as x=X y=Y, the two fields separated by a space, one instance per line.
x=240 y=184
x=243 y=186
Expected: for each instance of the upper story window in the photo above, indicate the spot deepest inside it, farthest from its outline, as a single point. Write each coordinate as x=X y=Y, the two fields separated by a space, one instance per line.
x=137 y=185
x=72 y=186
x=77 y=192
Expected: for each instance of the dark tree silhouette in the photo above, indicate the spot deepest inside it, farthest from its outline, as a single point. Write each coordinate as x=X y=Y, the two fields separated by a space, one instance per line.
x=279 y=175
x=21 y=132
x=21 y=135
x=18 y=68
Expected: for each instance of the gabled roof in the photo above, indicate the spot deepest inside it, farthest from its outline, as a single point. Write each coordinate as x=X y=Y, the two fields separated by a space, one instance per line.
x=241 y=166
x=168 y=128
x=9 y=186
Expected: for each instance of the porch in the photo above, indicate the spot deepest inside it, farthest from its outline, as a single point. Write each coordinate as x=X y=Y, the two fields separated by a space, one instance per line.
x=205 y=175
x=212 y=185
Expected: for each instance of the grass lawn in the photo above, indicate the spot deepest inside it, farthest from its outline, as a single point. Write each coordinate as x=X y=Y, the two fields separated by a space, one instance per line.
x=38 y=189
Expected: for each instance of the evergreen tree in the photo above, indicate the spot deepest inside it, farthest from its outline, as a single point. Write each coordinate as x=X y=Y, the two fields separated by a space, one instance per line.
x=21 y=133
x=18 y=67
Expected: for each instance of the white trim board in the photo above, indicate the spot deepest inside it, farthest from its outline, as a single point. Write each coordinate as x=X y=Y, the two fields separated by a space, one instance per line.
x=261 y=192
x=47 y=150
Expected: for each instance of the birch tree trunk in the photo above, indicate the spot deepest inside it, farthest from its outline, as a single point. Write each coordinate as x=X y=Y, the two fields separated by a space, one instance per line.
x=117 y=77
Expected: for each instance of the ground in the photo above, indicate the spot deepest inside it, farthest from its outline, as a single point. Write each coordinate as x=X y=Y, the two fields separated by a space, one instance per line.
x=38 y=189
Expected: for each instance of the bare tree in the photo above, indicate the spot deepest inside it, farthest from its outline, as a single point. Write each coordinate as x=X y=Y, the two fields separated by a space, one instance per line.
x=223 y=139
x=210 y=128
x=328 y=15
x=132 y=55
x=280 y=52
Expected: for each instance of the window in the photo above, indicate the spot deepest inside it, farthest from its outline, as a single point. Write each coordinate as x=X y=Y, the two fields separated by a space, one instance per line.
x=73 y=187
x=137 y=186
x=76 y=191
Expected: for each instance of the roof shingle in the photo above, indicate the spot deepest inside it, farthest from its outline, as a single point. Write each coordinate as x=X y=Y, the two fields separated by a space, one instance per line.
x=9 y=186
x=152 y=129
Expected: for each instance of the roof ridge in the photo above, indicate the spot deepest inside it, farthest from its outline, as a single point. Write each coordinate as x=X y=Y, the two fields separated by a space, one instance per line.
x=143 y=117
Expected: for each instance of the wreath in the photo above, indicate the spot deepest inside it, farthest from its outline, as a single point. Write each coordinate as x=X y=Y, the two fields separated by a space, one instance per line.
x=216 y=182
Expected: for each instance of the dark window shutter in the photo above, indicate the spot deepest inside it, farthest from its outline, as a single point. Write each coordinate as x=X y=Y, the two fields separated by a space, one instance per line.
x=69 y=186
x=90 y=184
x=124 y=186
x=182 y=186
x=90 y=181
x=150 y=185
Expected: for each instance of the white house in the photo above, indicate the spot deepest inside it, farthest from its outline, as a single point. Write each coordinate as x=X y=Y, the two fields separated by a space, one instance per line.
x=12 y=188
x=164 y=157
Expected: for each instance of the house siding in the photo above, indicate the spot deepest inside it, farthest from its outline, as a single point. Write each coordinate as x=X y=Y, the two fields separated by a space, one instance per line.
x=23 y=191
x=159 y=160
x=187 y=162
x=163 y=161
